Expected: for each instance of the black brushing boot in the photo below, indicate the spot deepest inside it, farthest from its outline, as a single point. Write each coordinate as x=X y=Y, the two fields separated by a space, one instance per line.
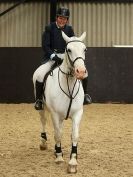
x=39 y=96
x=87 y=98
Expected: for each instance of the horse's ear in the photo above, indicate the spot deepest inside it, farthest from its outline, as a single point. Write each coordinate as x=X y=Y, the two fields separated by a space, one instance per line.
x=82 y=37
x=65 y=37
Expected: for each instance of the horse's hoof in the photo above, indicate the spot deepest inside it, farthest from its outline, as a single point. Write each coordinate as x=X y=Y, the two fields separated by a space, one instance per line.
x=59 y=160
x=43 y=147
x=72 y=169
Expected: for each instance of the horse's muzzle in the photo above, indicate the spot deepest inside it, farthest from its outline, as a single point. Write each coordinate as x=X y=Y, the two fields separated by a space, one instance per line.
x=81 y=73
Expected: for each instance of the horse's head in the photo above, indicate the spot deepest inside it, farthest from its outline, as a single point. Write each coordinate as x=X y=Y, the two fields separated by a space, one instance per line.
x=75 y=51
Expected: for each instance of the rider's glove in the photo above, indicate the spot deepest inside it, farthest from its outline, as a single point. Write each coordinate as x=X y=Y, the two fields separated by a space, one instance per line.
x=57 y=59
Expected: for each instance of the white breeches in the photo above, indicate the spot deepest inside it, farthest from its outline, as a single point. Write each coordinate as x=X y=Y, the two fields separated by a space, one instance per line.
x=43 y=69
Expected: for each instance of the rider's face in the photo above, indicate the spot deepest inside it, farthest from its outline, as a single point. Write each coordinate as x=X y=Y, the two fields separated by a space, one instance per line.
x=61 y=21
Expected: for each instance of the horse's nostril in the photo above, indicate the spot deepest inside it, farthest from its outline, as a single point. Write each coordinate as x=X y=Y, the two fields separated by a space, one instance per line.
x=77 y=71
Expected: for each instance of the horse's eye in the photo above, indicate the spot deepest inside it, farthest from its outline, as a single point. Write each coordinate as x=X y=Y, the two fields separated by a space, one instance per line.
x=68 y=50
x=85 y=49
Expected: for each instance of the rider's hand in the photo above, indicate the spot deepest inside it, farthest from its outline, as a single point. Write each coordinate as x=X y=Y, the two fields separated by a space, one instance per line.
x=57 y=59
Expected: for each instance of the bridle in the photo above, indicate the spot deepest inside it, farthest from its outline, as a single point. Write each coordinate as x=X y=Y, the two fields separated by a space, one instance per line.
x=70 y=61
x=70 y=94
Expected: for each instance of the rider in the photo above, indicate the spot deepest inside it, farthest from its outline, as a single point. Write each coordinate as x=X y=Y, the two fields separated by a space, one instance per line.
x=53 y=46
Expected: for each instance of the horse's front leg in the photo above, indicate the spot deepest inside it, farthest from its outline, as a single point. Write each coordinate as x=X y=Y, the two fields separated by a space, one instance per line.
x=43 y=144
x=72 y=165
x=58 y=125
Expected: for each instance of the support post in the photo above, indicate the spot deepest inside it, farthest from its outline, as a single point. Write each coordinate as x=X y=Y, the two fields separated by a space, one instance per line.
x=53 y=5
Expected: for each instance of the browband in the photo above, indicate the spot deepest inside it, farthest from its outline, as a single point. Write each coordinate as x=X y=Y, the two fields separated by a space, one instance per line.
x=74 y=41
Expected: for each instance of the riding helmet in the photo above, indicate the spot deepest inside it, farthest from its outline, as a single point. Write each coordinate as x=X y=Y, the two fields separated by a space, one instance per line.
x=64 y=12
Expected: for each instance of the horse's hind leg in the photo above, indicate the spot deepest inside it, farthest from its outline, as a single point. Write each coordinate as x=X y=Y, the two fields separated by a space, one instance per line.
x=43 y=145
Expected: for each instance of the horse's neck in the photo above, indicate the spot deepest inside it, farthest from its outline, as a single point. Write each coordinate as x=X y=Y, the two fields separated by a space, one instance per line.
x=65 y=66
x=65 y=74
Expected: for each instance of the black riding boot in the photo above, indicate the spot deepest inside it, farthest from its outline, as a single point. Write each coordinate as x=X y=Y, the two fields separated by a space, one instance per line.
x=87 y=98
x=39 y=96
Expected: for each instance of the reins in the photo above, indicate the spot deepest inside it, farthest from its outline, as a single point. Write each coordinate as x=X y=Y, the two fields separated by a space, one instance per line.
x=70 y=95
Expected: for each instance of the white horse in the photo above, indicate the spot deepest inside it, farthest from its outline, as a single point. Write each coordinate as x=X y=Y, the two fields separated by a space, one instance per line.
x=64 y=97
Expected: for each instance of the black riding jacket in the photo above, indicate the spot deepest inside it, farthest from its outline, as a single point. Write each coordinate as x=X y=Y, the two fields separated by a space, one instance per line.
x=52 y=40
